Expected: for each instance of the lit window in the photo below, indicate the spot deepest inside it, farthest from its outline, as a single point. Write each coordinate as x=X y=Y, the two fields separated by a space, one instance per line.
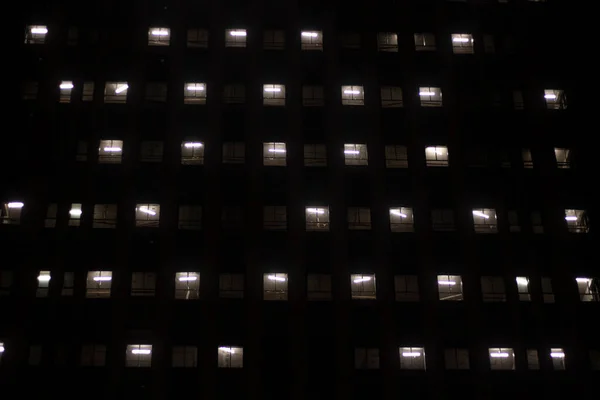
x=396 y=156
x=387 y=41
x=563 y=158
x=116 y=92
x=192 y=152
x=502 y=358
x=311 y=40
x=318 y=287
x=93 y=355
x=231 y=286
x=488 y=44
x=533 y=361
x=105 y=216
x=231 y=357
x=412 y=358
x=274 y=154
x=36 y=34
x=350 y=40
x=35 y=355
x=274 y=95
x=98 y=284
x=523 y=288
x=363 y=286
x=235 y=38
x=462 y=43
x=315 y=155
x=436 y=156
x=143 y=283
x=43 y=284
x=110 y=152
x=442 y=220
x=406 y=288
x=312 y=96
x=359 y=218
x=484 y=220
x=275 y=218
x=317 y=218
x=527 y=160
x=450 y=287
x=194 y=93
x=518 y=102
x=138 y=355
x=492 y=289
x=555 y=99
x=5 y=282
x=589 y=289
x=353 y=96
x=151 y=151
x=187 y=285
x=185 y=356
x=81 y=151
x=147 y=215
x=159 y=36
x=30 y=90
x=456 y=358
x=536 y=222
x=190 y=217
x=88 y=91
x=275 y=286
x=401 y=219
x=557 y=355
x=156 y=92
x=234 y=94
x=577 y=221
x=391 y=97
x=234 y=152
x=356 y=154
x=513 y=222
x=11 y=213
x=274 y=40
x=430 y=96
x=197 y=38
x=366 y=358
x=66 y=88
x=68 y=284
x=547 y=293
x=425 y=42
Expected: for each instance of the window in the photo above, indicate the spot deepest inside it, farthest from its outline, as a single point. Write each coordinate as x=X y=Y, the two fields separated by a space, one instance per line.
x=536 y=222
x=197 y=38
x=234 y=152
x=138 y=355
x=518 y=102
x=274 y=40
x=66 y=88
x=317 y=218
x=318 y=287
x=88 y=91
x=406 y=288
x=159 y=36
x=274 y=95
x=462 y=43
x=396 y=156
x=353 y=96
x=502 y=358
x=436 y=156
x=484 y=220
x=98 y=284
x=116 y=92
x=513 y=222
x=547 y=293
x=366 y=358
x=187 y=285
x=192 y=152
x=577 y=221
x=5 y=282
x=401 y=219
x=151 y=151
x=50 y=221
x=231 y=357
x=563 y=158
x=315 y=155
x=275 y=218
x=93 y=355
x=30 y=90
x=527 y=160
x=558 y=358
x=391 y=97
x=312 y=96
x=363 y=286
x=143 y=283
x=555 y=99
x=356 y=154
x=387 y=41
x=234 y=94
x=231 y=286
x=523 y=288
x=533 y=361
x=442 y=220
x=105 y=216
x=311 y=40
x=430 y=96
x=589 y=289
x=35 y=355
x=412 y=358
x=425 y=42
x=456 y=358
x=68 y=284
x=274 y=154
x=110 y=152
x=43 y=284
x=156 y=92
x=185 y=357
x=11 y=213
x=1 y=351
x=275 y=286
x=488 y=44
x=359 y=218
x=492 y=288
x=194 y=93
x=190 y=217
x=235 y=38
x=594 y=359
x=450 y=287
x=36 y=34
x=81 y=154
x=147 y=215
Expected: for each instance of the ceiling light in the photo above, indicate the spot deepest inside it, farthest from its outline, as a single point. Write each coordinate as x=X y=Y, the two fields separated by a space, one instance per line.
x=141 y=351
x=227 y=349
x=582 y=280
x=273 y=89
x=66 y=85
x=237 y=33
x=112 y=149
x=39 y=31
x=522 y=281
x=461 y=40
x=121 y=89
x=75 y=212
x=557 y=355
x=571 y=218
x=363 y=279
x=351 y=152
x=411 y=354
x=16 y=204
x=426 y=93
x=147 y=211
x=398 y=213
x=1 y=349
x=194 y=87
x=160 y=33
x=480 y=214
x=188 y=278
x=192 y=145
x=102 y=278
x=276 y=278
x=550 y=96
x=351 y=91
x=43 y=278
x=499 y=355
x=315 y=210
x=276 y=150
x=447 y=283
x=310 y=34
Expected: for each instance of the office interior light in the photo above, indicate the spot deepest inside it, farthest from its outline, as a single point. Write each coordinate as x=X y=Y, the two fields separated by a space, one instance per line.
x=480 y=214
x=550 y=96
x=227 y=350
x=447 y=283
x=276 y=89
x=1 y=349
x=102 y=278
x=15 y=204
x=315 y=210
x=351 y=91
x=112 y=149
x=398 y=213
x=411 y=354
x=276 y=150
x=192 y=145
x=522 y=281
x=188 y=278
x=310 y=34
x=571 y=218
x=351 y=152
x=194 y=87
x=363 y=279
x=39 y=31
x=141 y=351
x=237 y=33
x=462 y=40
x=499 y=355
x=66 y=85
x=75 y=212
x=582 y=280
x=121 y=89
x=557 y=355
x=43 y=278
x=276 y=278
x=147 y=211
x=426 y=93
x=160 y=33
